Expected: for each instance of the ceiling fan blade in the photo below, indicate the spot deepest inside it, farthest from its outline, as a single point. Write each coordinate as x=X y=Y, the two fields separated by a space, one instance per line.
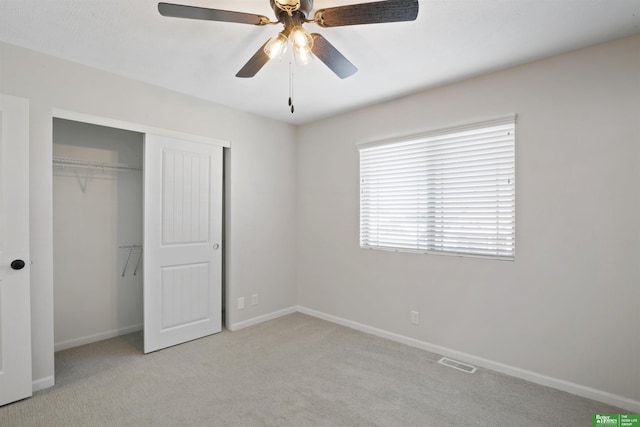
x=331 y=57
x=368 y=13
x=254 y=64
x=193 y=12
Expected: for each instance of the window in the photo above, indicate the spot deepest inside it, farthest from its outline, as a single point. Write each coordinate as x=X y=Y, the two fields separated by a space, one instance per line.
x=450 y=191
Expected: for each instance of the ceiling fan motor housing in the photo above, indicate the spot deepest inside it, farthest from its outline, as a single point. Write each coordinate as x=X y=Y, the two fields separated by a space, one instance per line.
x=292 y=6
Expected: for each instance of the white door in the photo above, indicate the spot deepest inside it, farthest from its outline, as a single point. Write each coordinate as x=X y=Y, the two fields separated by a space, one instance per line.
x=182 y=241
x=15 y=312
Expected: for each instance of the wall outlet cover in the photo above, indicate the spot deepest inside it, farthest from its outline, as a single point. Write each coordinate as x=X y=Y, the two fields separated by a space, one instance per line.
x=415 y=317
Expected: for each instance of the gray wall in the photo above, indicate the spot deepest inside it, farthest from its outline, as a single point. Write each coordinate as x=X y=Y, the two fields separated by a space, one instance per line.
x=567 y=307
x=260 y=192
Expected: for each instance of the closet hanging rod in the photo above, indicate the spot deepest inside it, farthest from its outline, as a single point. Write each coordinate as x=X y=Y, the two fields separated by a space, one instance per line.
x=130 y=247
x=66 y=161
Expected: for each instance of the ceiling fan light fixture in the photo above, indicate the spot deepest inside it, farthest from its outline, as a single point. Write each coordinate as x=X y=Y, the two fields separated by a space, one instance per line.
x=293 y=14
x=276 y=47
x=301 y=38
x=302 y=55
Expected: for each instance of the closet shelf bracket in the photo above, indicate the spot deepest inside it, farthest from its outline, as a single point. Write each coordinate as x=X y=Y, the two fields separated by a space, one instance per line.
x=88 y=167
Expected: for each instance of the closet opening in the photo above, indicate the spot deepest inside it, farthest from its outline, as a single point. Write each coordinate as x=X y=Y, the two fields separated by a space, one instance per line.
x=98 y=252
x=137 y=235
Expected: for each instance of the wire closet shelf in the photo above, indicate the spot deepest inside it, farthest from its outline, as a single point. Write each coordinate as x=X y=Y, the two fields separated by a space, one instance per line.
x=78 y=165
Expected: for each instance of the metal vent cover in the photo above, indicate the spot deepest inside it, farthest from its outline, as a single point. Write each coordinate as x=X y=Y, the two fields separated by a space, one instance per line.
x=461 y=366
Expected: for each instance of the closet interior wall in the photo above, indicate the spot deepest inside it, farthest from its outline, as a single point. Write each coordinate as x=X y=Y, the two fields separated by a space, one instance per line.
x=97 y=219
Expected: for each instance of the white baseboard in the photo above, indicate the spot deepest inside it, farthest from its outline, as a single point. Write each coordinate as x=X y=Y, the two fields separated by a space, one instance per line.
x=260 y=319
x=64 y=345
x=42 y=383
x=590 y=393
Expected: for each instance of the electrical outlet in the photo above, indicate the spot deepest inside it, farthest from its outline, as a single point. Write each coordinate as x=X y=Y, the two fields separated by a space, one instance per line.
x=240 y=303
x=254 y=299
x=415 y=318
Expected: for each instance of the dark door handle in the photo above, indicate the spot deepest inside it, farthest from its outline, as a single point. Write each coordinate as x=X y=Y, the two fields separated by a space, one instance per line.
x=17 y=264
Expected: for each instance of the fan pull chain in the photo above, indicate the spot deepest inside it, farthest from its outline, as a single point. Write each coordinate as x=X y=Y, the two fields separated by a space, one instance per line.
x=291 y=88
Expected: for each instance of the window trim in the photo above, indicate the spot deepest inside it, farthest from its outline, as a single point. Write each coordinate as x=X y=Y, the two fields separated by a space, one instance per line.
x=502 y=120
x=510 y=119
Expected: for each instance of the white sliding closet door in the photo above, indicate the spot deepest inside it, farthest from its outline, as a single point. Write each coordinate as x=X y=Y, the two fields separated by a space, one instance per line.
x=15 y=311
x=182 y=241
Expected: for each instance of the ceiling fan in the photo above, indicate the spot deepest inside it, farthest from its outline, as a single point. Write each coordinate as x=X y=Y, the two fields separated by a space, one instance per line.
x=293 y=14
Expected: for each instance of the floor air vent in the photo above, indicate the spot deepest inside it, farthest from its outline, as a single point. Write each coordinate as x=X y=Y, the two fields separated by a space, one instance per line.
x=469 y=369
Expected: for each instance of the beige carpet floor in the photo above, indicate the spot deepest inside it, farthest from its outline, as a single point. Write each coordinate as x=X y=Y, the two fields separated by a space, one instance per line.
x=292 y=371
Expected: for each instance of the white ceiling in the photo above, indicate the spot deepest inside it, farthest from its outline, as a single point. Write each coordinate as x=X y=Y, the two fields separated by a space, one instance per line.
x=450 y=40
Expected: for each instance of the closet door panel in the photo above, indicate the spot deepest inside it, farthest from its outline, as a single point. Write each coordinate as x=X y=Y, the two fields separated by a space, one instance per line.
x=185 y=292
x=186 y=197
x=15 y=308
x=183 y=231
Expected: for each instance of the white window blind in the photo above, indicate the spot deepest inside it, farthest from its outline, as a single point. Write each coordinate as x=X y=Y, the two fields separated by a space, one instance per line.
x=450 y=191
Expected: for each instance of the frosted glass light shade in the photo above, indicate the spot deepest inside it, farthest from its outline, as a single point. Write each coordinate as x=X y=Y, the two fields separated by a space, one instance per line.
x=301 y=38
x=276 y=47
x=302 y=55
